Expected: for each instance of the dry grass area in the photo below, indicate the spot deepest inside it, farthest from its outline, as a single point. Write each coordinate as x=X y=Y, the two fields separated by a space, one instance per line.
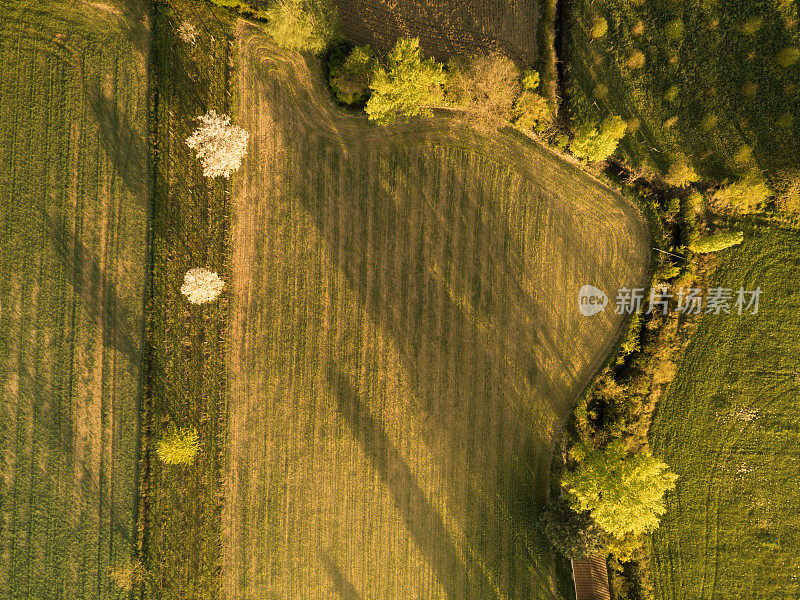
x=404 y=342
x=446 y=27
x=73 y=215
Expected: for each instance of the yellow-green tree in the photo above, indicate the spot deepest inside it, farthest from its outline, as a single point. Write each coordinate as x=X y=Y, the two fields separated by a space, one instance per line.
x=624 y=493
x=406 y=86
x=595 y=142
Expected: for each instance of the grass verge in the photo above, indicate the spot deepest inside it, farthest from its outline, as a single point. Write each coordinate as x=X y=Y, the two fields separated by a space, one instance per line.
x=180 y=519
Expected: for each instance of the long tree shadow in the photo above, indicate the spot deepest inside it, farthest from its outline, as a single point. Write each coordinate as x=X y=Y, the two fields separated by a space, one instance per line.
x=124 y=144
x=422 y=520
x=343 y=587
x=98 y=293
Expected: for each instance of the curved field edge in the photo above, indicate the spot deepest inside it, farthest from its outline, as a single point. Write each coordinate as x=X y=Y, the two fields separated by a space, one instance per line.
x=73 y=262
x=728 y=426
x=405 y=344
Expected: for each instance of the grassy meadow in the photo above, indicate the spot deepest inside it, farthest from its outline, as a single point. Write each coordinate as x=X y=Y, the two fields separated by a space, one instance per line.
x=717 y=81
x=74 y=199
x=181 y=517
x=728 y=426
x=404 y=345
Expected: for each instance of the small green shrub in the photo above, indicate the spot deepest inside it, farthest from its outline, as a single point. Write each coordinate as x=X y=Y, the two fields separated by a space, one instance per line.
x=179 y=447
x=530 y=80
x=752 y=26
x=350 y=74
x=636 y=60
x=788 y=187
x=788 y=57
x=675 y=30
x=681 y=173
x=744 y=196
x=672 y=93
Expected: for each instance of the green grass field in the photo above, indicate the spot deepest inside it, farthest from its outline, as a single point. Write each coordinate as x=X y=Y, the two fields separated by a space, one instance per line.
x=190 y=216
x=74 y=198
x=404 y=344
x=728 y=426
x=704 y=79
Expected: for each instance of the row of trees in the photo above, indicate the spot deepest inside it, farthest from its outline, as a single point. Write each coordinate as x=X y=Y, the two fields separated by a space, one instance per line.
x=489 y=87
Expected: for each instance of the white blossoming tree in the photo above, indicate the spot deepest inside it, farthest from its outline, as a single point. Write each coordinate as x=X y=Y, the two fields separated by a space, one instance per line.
x=201 y=286
x=219 y=145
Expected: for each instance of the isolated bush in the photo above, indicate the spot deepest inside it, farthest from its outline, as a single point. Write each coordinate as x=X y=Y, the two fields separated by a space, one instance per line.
x=671 y=94
x=636 y=60
x=709 y=122
x=533 y=111
x=717 y=242
x=784 y=121
x=689 y=228
x=302 y=25
x=681 y=173
x=178 y=447
x=600 y=91
x=406 y=86
x=599 y=27
x=595 y=142
x=201 y=286
x=624 y=493
x=219 y=145
x=788 y=187
x=188 y=33
x=743 y=155
x=350 y=74
x=752 y=26
x=573 y=534
x=744 y=196
x=788 y=57
x=674 y=30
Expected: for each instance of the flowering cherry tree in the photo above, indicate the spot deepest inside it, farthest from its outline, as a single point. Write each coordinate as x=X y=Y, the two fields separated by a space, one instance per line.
x=219 y=145
x=201 y=286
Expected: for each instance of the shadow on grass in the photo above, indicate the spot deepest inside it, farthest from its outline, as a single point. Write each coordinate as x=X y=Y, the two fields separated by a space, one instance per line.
x=97 y=292
x=343 y=587
x=422 y=520
x=482 y=402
